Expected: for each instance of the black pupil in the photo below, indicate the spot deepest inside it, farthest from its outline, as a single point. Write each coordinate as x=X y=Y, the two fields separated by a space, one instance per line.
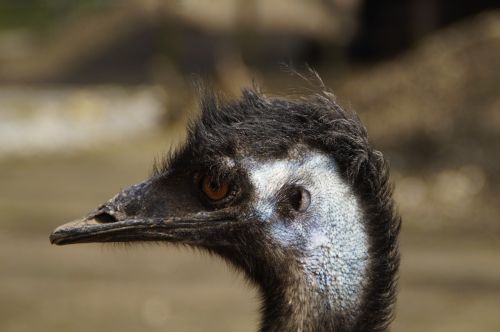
x=214 y=186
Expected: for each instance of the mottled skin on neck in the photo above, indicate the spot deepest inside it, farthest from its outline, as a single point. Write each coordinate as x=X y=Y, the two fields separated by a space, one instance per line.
x=330 y=240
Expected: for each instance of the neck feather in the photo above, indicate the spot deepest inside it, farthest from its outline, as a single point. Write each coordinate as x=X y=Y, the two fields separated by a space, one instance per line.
x=290 y=304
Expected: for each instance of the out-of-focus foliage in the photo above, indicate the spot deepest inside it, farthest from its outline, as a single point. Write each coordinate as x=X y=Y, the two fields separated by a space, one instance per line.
x=40 y=16
x=436 y=112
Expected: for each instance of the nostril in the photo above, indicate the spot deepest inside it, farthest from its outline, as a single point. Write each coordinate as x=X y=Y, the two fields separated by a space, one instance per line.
x=105 y=218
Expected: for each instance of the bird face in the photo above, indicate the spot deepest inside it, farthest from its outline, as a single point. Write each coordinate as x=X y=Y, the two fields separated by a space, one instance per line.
x=188 y=202
x=289 y=191
x=296 y=210
x=185 y=203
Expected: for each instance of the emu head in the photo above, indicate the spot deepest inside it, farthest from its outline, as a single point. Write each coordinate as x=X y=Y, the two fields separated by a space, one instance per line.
x=289 y=191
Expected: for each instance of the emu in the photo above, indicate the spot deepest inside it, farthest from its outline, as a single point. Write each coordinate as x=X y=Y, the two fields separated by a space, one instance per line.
x=288 y=190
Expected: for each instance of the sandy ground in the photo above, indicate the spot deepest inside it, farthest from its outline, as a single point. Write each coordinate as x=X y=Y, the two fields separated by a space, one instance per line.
x=448 y=282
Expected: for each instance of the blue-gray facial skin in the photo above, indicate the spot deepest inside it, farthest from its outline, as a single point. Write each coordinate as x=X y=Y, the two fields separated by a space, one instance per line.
x=331 y=234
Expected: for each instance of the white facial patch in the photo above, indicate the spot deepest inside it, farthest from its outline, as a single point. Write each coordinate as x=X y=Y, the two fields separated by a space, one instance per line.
x=332 y=236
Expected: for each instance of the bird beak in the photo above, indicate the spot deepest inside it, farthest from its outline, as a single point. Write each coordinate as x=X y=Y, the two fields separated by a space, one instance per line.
x=150 y=212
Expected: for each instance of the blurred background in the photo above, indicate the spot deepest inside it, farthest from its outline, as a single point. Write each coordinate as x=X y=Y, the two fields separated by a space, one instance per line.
x=92 y=91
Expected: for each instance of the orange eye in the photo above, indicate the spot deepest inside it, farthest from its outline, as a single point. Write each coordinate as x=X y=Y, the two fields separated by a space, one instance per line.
x=214 y=193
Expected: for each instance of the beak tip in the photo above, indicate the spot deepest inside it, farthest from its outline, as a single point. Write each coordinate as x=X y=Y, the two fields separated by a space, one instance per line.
x=61 y=233
x=78 y=231
x=55 y=238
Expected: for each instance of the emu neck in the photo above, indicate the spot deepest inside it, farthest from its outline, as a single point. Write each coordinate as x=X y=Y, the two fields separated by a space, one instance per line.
x=291 y=305
x=327 y=246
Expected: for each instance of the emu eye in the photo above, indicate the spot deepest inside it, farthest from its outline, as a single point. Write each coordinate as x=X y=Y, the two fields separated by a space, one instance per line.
x=214 y=192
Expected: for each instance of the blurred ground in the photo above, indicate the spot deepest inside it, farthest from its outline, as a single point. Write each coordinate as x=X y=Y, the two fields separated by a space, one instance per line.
x=434 y=111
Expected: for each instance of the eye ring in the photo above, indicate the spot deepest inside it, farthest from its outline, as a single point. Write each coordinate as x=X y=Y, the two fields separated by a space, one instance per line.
x=215 y=192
